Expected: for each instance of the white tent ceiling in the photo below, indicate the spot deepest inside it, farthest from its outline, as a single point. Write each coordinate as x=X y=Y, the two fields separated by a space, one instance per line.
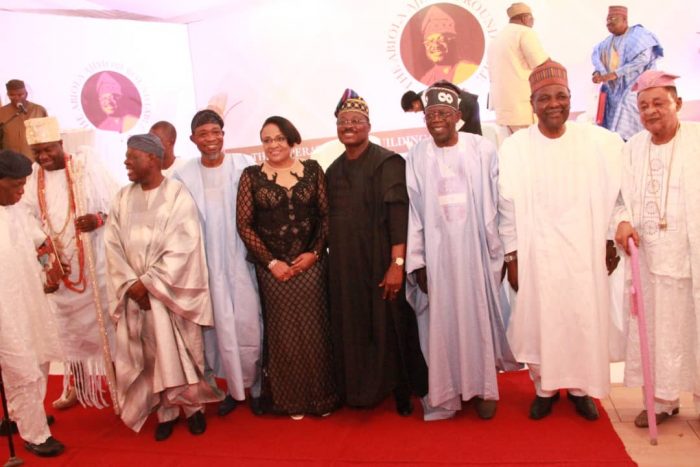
x=170 y=11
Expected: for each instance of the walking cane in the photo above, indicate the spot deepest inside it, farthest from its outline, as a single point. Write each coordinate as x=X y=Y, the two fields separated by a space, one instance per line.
x=13 y=460
x=637 y=310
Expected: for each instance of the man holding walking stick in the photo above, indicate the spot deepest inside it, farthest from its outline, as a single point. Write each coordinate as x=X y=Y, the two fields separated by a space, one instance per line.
x=659 y=208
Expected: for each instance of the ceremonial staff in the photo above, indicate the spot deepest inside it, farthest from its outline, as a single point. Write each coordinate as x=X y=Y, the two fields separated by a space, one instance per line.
x=77 y=177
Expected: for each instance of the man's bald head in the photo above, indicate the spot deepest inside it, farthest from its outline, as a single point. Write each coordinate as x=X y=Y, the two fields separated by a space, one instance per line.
x=168 y=135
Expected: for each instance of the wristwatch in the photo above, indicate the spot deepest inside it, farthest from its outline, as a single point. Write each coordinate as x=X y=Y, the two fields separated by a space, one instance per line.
x=510 y=257
x=398 y=261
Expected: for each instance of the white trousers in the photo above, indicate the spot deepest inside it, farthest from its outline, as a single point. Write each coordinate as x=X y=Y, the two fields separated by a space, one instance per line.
x=536 y=377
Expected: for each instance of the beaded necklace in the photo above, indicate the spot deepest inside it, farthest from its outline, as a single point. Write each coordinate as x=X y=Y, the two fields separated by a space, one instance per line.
x=80 y=285
x=665 y=182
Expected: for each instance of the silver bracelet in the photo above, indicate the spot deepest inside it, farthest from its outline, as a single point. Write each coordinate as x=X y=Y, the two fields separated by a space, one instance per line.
x=272 y=264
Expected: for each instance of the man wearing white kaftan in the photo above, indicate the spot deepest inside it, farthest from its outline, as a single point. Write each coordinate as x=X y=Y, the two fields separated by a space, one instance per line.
x=661 y=197
x=453 y=234
x=233 y=346
x=153 y=240
x=28 y=339
x=558 y=182
x=69 y=195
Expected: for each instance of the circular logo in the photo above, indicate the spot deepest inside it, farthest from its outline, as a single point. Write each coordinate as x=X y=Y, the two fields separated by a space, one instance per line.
x=111 y=102
x=442 y=42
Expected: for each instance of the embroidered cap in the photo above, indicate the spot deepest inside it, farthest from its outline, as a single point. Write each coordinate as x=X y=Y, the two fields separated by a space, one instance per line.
x=617 y=10
x=441 y=93
x=350 y=101
x=550 y=72
x=654 y=79
x=42 y=130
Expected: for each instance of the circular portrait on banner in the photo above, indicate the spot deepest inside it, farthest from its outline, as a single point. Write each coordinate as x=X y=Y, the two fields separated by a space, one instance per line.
x=111 y=101
x=442 y=41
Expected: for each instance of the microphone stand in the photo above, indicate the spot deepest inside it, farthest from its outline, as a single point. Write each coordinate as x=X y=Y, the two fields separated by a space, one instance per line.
x=13 y=461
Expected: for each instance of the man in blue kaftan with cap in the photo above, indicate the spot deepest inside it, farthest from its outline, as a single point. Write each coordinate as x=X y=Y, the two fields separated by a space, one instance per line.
x=618 y=62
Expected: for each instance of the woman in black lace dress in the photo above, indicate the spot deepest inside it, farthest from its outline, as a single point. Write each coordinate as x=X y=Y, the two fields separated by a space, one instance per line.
x=282 y=216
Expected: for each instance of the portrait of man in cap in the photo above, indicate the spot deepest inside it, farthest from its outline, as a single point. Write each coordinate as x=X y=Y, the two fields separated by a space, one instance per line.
x=442 y=42
x=111 y=102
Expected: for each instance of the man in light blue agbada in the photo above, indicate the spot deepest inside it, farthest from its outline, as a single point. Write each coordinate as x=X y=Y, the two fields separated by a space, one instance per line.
x=618 y=62
x=233 y=347
x=454 y=259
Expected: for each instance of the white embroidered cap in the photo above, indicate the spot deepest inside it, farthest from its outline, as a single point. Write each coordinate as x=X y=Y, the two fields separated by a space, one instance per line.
x=42 y=130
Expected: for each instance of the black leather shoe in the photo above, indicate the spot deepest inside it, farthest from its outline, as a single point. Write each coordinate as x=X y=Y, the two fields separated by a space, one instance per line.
x=164 y=430
x=404 y=407
x=13 y=425
x=49 y=448
x=196 y=423
x=227 y=406
x=585 y=406
x=542 y=406
x=256 y=406
x=485 y=409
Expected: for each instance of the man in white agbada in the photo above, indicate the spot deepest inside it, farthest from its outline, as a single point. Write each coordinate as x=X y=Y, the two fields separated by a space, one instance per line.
x=661 y=211
x=233 y=346
x=168 y=136
x=159 y=296
x=27 y=330
x=558 y=183
x=454 y=260
x=69 y=196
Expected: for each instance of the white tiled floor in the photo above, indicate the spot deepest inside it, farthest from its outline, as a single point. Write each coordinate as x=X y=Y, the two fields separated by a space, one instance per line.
x=679 y=437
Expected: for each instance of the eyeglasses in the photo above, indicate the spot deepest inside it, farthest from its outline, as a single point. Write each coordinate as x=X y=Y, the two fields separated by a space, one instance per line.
x=440 y=115
x=441 y=41
x=353 y=122
x=279 y=139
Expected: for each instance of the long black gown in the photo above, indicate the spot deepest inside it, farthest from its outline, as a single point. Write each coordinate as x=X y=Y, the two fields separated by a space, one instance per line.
x=279 y=223
x=375 y=341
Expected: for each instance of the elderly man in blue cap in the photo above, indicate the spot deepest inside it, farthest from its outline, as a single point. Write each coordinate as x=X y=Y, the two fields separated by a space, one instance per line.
x=160 y=295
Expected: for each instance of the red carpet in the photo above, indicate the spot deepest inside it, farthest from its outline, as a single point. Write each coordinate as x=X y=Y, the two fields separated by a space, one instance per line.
x=347 y=437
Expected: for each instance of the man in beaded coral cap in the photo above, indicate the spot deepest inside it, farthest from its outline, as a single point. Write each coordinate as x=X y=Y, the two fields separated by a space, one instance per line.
x=69 y=196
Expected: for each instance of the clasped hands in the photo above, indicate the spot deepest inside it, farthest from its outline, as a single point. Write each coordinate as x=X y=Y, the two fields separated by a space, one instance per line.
x=598 y=78
x=138 y=293
x=283 y=271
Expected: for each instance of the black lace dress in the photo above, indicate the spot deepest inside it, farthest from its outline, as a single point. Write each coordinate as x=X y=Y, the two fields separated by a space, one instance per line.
x=279 y=223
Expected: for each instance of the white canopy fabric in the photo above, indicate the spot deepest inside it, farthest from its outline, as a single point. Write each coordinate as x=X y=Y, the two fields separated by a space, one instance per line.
x=168 y=11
